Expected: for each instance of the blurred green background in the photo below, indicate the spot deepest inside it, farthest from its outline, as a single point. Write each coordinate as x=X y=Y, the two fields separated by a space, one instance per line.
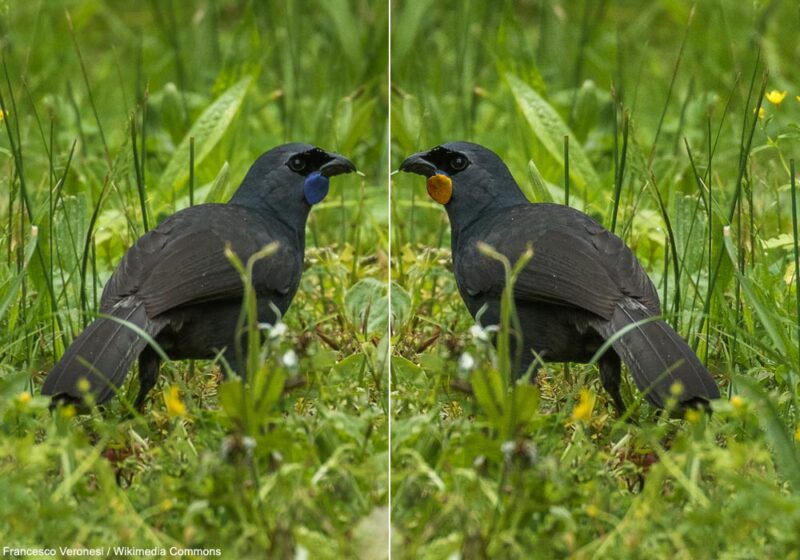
x=659 y=102
x=101 y=99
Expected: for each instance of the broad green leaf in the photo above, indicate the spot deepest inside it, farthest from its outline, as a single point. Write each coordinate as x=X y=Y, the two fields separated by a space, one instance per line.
x=266 y=388
x=401 y=306
x=345 y=25
x=540 y=191
x=526 y=403
x=230 y=399
x=406 y=371
x=492 y=395
x=350 y=367
x=550 y=130
x=207 y=132
x=343 y=118
x=367 y=306
x=410 y=19
x=219 y=188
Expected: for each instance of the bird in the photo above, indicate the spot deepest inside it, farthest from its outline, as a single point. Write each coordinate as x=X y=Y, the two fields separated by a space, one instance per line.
x=583 y=288
x=176 y=287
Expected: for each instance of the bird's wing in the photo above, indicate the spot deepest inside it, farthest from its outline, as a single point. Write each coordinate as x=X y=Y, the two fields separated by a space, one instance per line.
x=575 y=261
x=183 y=260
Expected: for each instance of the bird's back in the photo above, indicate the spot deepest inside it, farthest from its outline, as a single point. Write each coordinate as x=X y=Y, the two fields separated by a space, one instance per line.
x=183 y=259
x=575 y=260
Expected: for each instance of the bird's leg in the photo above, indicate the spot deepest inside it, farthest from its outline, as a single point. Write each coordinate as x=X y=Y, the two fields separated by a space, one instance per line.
x=611 y=378
x=149 y=364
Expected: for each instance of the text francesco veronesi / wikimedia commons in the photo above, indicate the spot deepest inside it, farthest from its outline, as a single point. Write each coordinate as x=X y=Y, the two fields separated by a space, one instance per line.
x=109 y=552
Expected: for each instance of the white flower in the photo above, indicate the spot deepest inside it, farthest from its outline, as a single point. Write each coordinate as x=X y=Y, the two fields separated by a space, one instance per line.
x=275 y=331
x=289 y=359
x=466 y=362
x=523 y=449
x=482 y=334
x=235 y=446
x=478 y=333
x=507 y=449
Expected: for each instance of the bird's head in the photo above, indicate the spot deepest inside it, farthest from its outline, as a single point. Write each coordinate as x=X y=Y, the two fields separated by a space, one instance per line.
x=466 y=178
x=291 y=178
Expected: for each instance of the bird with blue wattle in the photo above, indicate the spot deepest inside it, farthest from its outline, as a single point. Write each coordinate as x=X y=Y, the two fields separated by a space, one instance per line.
x=176 y=287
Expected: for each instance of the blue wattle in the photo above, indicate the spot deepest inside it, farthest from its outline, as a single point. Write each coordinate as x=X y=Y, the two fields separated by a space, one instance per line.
x=315 y=187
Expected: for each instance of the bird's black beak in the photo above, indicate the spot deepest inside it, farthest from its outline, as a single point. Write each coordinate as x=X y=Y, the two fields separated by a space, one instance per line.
x=418 y=164
x=337 y=165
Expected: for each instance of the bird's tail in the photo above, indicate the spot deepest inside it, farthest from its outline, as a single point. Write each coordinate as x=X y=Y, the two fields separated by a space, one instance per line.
x=102 y=354
x=657 y=356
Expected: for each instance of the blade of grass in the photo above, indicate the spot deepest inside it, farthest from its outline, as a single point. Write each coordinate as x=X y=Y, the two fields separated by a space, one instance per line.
x=619 y=173
x=140 y=189
x=88 y=244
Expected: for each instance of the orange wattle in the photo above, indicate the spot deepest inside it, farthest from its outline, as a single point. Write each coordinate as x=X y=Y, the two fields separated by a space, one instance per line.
x=440 y=188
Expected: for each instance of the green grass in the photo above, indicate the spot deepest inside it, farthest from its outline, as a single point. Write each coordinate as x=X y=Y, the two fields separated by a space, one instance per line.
x=118 y=115
x=665 y=147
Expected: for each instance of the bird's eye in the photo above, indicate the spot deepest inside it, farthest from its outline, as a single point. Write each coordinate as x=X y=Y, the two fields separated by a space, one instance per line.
x=297 y=164
x=458 y=163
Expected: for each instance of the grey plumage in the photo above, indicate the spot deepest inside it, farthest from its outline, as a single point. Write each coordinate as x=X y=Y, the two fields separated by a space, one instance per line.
x=582 y=286
x=177 y=286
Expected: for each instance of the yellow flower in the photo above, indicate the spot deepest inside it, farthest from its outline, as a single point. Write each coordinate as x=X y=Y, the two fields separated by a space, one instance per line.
x=172 y=400
x=3 y=115
x=737 y=402
x=24 y=397
x=797 y=433
x=676 y=389
x=693 y=415
x=583 y=410
x=68 y=411
x=84 y=385
x=797 y=97
x=761 y=112
x=776 y=97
